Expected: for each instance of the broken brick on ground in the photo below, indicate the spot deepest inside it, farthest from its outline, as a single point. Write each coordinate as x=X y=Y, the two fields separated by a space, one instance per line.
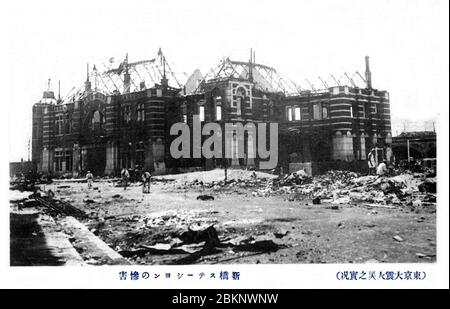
x=239 y=226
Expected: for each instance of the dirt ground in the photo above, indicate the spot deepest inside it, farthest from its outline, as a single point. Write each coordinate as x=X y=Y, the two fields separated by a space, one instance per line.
x=154 y=228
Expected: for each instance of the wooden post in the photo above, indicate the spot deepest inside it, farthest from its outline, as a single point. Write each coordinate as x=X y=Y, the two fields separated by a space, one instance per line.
x=407 y=147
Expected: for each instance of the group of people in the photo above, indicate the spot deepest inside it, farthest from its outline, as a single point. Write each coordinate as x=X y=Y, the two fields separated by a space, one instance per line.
x=146 y=178
x=125 y=175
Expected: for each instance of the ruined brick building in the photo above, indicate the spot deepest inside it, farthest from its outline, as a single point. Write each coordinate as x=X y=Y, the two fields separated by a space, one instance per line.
x=122 y=117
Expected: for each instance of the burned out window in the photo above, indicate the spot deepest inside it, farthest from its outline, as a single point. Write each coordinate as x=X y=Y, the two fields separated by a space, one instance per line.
x=218 y=104
x=97 y=121
x=140 y=112
x=69 y=124
x=184 y=112
x=289 y=113
x=317 y=111
x=297 y=113
x=324 y=111
x=59 y=159
x=241 y=94
x=271 y=109
x=59 y=124
x=69 y=160
x=201 y=112
x=218 y=113
x=125 y=156
x=126 y=114
x=140 y=154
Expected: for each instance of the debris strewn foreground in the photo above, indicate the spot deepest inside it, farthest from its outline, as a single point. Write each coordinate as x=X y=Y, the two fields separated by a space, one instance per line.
x=251 y=217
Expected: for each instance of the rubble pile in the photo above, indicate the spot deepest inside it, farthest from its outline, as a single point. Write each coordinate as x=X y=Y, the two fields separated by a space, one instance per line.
x=174 y=219
x=296 y=178
x=232 y=183
x=45 y=201
x=343 y=187
x=300 y=185
x=183 y=236
x=27 y=182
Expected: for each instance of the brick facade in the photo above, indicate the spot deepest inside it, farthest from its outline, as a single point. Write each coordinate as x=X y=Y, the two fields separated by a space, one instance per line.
x=104 y=133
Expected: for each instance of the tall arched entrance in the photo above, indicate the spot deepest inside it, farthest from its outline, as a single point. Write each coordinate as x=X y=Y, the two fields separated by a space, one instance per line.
x=93 y=149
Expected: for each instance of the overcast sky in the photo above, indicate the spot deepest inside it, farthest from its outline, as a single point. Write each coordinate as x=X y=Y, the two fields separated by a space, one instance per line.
x=407 y=41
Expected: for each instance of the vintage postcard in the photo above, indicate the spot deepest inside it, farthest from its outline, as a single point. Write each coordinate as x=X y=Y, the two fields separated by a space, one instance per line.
x=232 y=144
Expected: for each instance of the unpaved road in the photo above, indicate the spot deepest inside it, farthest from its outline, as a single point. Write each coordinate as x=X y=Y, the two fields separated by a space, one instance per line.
x=128 y=220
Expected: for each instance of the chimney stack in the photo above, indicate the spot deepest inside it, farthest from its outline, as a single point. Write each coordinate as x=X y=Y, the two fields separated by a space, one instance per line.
x=87 y=83
x=368 y=74
x=126 y=76
x=250 y=66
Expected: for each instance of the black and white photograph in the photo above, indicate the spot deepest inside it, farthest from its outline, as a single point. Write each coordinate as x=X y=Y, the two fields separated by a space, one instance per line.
x=149 y=135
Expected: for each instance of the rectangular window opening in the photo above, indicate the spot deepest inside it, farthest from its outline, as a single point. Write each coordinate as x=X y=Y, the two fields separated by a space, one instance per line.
x=201 y=113
x=297 y=114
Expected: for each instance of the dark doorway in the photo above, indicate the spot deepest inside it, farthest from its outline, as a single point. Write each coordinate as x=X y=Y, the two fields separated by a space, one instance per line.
x=96 y=160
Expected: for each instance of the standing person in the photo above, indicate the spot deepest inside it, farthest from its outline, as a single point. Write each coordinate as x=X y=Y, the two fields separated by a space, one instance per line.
x=382 y=169
x=125 y=176
x=371 y=161
x=146 y=178
x=90 y=179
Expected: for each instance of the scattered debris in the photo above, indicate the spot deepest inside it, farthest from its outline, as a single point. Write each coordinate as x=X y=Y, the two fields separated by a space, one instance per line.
x=142 y=251
x=316 y=200
x=428 y=186
x=194 y=236
x=147 y=234
x=258 y=246
x=280 y=235
x=378 y=206
x=50 y=194
x=296 y=178
x=205 y=197
x=342 y=200
x=398 y=238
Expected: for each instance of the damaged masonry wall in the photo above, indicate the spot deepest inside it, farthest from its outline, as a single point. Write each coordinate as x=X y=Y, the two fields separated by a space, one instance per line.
x=104 y=133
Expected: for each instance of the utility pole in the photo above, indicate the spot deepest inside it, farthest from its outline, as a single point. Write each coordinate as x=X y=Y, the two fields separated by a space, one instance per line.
x=28 y=150
x=407 y=148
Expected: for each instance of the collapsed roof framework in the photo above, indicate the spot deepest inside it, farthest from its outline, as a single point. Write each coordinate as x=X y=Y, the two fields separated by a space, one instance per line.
x=148 y=73
x=264 y=77
x=268 y=79
x=320 y=85
x=142 y=74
